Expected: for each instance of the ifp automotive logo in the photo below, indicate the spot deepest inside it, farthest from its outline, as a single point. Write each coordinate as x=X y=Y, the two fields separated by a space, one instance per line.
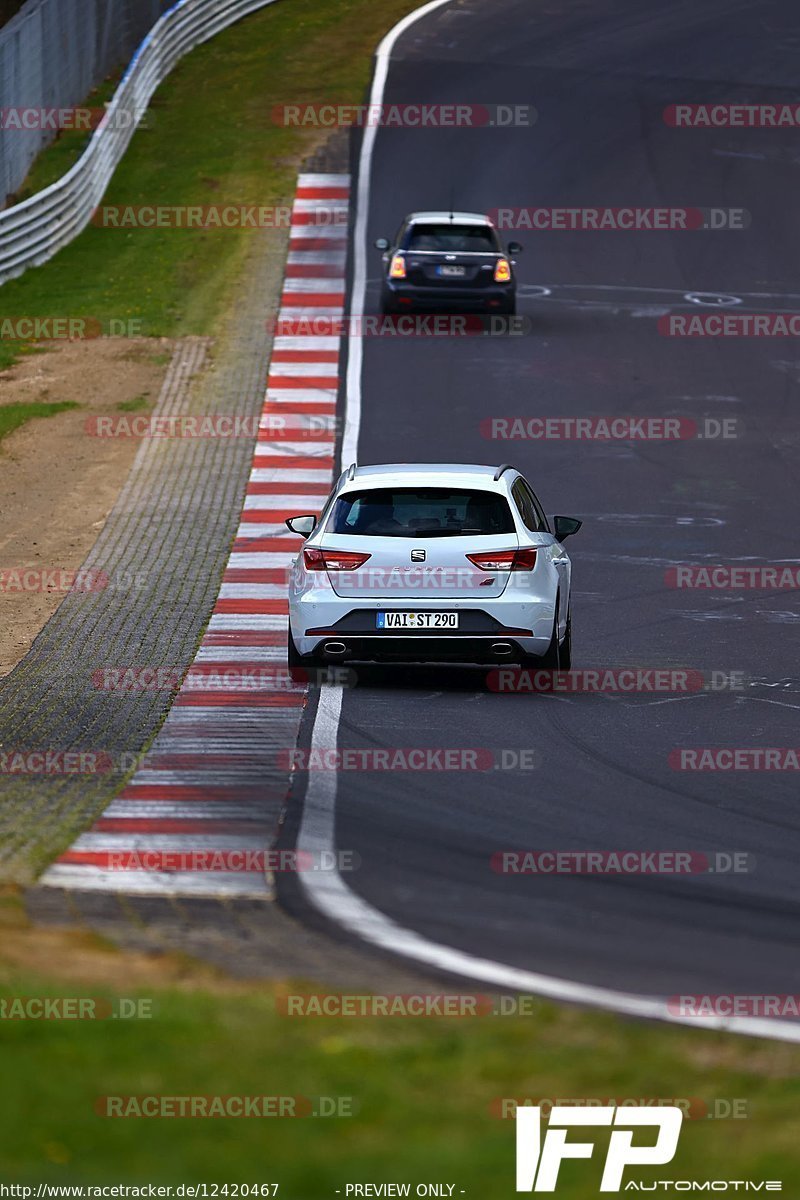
x=539 y=1159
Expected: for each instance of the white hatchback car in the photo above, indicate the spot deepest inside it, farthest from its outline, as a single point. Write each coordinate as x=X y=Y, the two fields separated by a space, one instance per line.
x=431 y=562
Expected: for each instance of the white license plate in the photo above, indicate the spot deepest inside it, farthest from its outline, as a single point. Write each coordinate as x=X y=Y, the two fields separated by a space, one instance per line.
x=419 y=620
x=458 y=271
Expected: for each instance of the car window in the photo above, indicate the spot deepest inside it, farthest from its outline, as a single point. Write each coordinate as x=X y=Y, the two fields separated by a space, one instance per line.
x=540 y=513
x=453 y=238
x=524 y=506
x=421 y=512
x=529 y=508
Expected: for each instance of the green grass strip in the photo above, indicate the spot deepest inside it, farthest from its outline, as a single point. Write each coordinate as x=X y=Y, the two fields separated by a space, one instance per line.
x=12 y=416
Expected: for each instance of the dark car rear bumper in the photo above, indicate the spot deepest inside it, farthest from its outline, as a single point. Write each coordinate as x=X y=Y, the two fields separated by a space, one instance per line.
x=427 y=649
x=478 y=299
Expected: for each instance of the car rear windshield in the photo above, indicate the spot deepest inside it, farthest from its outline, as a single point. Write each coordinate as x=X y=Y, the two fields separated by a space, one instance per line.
x=454 y=239
x=421 y=512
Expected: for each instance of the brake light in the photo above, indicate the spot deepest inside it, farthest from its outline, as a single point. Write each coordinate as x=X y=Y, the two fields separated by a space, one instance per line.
x=504 y=560
x=398 y=268
x=502 y=272
x=333 y=560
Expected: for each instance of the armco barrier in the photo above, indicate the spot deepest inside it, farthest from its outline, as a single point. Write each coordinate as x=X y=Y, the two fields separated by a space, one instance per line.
x=52 y=53
x=35 y=230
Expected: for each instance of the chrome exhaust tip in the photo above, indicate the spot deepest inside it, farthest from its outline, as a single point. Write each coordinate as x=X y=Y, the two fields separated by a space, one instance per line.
x=335 y=649
x=502 y=649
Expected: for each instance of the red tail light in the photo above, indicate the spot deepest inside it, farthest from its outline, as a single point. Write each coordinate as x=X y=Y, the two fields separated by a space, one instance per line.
x=504 y=560
x=333 y=560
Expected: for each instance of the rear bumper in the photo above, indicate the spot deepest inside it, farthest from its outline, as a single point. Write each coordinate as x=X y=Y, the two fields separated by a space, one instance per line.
x=317 y=619
x=479 y=299
x=426 y=649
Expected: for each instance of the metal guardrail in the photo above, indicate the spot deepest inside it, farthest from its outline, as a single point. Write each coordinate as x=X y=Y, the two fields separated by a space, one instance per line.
x=52 y=54
x=33 y=231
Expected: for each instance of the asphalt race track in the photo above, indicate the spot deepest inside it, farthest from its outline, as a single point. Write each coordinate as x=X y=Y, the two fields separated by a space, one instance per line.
x=600 y=73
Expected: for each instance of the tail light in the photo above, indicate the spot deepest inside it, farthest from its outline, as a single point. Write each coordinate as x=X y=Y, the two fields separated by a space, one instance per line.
x=502 y=272
x=398 y=268
x=333 y=560
x=504 y=560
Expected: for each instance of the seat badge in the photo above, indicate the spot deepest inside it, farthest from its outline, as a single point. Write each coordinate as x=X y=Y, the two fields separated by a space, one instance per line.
x=418 y=556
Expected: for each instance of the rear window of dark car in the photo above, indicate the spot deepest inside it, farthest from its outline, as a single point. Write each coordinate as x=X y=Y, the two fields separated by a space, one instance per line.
x=453 y=239
x=421 y=512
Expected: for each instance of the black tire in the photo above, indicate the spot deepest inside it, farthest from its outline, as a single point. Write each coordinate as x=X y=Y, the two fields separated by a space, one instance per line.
x=551 y=659
x=557 y=657
x=565 y=652
x=388 y=308
x=300 y=665
x=293 y=660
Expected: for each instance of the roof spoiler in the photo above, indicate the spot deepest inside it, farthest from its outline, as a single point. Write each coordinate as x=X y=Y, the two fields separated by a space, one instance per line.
x=345 y=477
x=500 y=470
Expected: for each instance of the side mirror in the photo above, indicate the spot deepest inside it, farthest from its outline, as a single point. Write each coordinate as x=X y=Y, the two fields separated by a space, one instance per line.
x=305 y=525
x=565 y=527
x=381 y=243
x=514 y=248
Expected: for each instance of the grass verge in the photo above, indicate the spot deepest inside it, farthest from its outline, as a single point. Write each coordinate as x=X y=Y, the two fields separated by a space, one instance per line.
x=12 y=416
x=424 y=1090
x=210 y=139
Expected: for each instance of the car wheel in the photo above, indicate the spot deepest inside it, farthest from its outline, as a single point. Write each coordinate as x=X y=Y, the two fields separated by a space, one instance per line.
x=553 y=657
x=388 y=308
x=565 y=652
x=551 y=660
x=300 y=665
